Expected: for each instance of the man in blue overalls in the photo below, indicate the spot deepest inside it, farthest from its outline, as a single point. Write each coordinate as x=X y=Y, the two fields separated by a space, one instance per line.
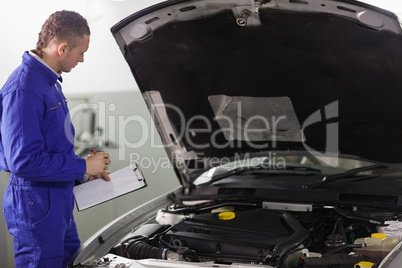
x=36 y=146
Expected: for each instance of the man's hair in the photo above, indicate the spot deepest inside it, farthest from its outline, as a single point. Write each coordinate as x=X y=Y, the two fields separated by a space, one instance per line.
x=63 y=26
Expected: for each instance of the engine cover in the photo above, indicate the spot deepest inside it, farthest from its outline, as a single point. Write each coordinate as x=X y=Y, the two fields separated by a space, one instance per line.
x=253 y=235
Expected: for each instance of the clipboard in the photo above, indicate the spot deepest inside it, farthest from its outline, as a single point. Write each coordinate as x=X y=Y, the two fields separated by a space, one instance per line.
x=123 y=181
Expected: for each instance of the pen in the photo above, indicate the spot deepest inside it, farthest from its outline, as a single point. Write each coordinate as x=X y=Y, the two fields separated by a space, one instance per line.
x=93 y=151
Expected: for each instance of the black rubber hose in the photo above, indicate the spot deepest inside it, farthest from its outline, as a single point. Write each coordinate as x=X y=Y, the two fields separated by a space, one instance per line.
x=348 y=246
x=141 y=250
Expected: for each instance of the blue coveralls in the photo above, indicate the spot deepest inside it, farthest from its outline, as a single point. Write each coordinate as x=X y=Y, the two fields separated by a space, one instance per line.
x=38 y=203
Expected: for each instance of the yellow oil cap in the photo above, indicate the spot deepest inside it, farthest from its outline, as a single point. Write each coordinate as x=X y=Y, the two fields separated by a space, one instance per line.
x=364 y=264
x=379 y=235
x=228 y=215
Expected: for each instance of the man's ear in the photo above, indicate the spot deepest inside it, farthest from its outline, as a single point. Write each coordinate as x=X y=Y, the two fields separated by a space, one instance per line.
x=62 y=48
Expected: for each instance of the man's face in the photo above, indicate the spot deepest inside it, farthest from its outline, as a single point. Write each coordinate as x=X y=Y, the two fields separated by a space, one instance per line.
x=75 y=55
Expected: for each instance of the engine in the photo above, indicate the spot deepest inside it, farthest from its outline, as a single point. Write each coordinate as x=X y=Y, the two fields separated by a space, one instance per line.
x=324 y=237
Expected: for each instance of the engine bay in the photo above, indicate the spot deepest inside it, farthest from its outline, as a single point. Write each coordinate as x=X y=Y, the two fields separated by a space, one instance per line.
x=250 y=234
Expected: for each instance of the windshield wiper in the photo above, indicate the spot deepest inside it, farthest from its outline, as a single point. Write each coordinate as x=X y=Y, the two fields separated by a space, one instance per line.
x=241 y=170
x=345 y=174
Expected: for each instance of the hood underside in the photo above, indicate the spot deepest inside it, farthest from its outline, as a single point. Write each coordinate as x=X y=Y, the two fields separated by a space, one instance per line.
x=332 y=70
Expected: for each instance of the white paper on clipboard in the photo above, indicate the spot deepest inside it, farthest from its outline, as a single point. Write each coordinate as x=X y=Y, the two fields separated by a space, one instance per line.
x=97 y=191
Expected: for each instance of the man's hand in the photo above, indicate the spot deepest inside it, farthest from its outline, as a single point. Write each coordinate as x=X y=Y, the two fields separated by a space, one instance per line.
x=96 y=166
x=91 y=178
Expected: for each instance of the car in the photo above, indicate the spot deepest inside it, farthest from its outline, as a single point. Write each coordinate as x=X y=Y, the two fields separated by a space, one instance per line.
x=282 y=121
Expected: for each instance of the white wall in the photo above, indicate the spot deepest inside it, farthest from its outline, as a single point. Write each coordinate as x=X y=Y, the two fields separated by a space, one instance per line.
x=104 y=69
x=391 y=5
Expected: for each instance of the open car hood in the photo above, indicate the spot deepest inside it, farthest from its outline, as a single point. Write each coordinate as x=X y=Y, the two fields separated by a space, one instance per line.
x=237 y=76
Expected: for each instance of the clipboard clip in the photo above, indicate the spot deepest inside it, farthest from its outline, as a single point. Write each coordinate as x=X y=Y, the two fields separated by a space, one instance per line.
x=135 y=169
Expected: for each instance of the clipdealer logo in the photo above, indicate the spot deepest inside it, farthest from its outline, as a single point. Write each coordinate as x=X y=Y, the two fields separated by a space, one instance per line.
x=146 y=131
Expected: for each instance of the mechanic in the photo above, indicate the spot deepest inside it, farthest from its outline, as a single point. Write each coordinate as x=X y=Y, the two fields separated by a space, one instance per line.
x=37 y=142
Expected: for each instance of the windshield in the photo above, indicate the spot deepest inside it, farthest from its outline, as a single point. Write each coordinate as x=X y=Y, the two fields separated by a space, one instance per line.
x=294 y=163
x=282 y=160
